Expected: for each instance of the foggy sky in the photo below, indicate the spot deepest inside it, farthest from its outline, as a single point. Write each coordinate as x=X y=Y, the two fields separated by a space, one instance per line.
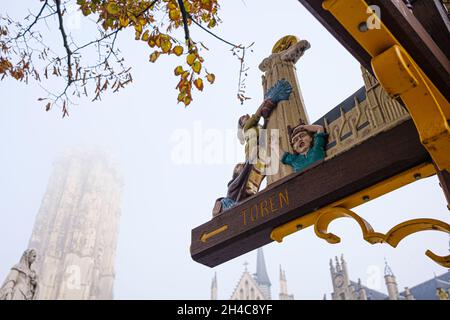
x=164 y=199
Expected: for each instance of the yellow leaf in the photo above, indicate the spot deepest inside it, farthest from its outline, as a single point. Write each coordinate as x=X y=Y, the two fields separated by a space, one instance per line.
x=178 y=50
x=174 y=14
x=212 y=23
x=112 y=8
x=185 y=74
x=166 y=45
x=190 y=59
x=181 y=96
x=145 y=36
x=138 y=28
x=154 y=56
x=142 y=21
x=124 y=21
x=211 y=77
x=178 y=70
x=197 y=66
x=198 y=84
x=187 y=100
x=187 y=6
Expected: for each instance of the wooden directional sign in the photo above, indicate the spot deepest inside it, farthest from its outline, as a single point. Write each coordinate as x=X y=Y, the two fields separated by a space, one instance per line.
x=248 y=225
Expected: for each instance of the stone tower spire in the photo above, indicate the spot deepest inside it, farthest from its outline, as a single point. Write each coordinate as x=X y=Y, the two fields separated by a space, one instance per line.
x=332 y=270
x=391 y=284
x=75 y=232
x=284 y=295
x=342 y=288
x=281 y=65
x=214 y=287
x=338 y=266
x=261 y=276
x=344 y=267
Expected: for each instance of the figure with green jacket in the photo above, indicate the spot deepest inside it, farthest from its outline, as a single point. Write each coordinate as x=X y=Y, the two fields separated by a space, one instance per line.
x=308 y=143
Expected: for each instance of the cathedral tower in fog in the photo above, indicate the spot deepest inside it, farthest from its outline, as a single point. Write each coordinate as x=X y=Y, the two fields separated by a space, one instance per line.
x=75 y=232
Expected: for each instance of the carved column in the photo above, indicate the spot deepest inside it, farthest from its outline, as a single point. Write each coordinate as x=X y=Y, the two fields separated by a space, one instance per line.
x=281 y=65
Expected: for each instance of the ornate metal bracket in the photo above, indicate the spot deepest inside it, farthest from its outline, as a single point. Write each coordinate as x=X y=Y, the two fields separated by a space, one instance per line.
x=400 y=76
x=322 y=218
x=392 y=237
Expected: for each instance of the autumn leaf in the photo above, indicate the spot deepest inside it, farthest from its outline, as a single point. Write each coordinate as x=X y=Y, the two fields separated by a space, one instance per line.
x=154 y=56
x=212 y=23
x=191 y=58
x=187 y=100
x=178 y=50
x=198 y=84
x=112 y=8
x=174 y=14
x=124 y=21
x=145 y=36
x=197 y=66
x=178 y=70
x=166 y=45
x=211 y=77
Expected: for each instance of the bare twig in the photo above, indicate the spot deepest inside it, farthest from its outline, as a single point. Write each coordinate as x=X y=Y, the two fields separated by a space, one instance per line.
x=213 y=34
x=34 y=22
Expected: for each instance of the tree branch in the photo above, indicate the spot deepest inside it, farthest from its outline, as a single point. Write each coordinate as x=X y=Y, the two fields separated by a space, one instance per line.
x=66 y=45
x=34 y=22
x=184 y=14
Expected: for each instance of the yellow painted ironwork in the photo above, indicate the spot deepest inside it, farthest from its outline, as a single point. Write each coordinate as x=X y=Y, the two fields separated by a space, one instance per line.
x=375 y=191
x=400 y=75
x=322 y=218
x=392 y=237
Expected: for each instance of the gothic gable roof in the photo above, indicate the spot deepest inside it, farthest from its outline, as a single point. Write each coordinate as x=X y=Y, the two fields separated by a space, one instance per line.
x=371 y=294
x=246 y=277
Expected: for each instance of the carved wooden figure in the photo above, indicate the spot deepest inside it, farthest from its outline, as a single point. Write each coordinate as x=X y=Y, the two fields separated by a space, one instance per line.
x=308 y=143
x=247 y=177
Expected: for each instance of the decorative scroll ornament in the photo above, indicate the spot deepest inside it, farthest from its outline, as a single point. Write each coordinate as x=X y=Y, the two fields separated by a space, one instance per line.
x=392 y=237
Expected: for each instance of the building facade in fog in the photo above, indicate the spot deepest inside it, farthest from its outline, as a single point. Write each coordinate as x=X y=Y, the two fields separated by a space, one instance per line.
x=75 y=232
x=435 y=288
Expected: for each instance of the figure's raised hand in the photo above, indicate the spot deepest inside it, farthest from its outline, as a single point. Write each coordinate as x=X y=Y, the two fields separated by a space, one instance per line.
x=279 y=92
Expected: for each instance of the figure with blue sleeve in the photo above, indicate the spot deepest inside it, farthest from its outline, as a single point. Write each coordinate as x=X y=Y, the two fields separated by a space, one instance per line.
x=247 y=176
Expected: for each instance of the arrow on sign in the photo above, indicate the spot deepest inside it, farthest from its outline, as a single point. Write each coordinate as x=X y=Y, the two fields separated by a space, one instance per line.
x=205 y=236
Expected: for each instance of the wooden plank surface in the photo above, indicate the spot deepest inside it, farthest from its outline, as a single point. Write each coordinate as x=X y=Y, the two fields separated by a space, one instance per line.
x=250 y=223
x=444 y=182
x=433 y=17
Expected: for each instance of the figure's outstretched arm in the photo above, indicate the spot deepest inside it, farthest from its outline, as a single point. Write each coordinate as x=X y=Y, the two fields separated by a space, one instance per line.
x=315 y=128
x=280 y=91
